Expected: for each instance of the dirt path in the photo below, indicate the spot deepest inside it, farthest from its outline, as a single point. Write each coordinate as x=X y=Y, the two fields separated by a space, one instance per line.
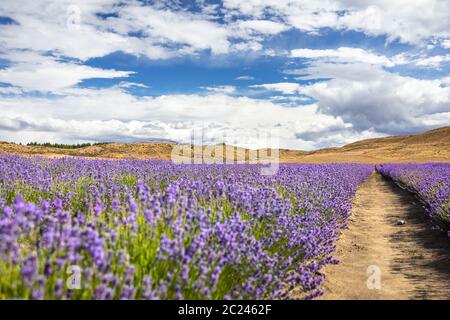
x=414 y=260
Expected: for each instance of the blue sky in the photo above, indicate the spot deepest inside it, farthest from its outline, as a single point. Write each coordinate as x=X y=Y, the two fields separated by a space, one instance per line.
x=311 y=73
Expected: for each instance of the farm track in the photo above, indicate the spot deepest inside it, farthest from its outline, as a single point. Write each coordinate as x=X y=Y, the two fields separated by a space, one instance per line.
x=413 y=258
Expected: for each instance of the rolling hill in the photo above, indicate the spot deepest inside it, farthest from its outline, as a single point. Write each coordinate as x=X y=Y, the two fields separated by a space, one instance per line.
x=433 y=145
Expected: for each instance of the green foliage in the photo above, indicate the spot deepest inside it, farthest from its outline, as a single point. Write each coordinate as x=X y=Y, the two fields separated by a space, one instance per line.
x=66 y=146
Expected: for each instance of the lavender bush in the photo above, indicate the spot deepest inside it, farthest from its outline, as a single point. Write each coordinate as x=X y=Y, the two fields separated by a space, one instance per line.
x=146 y=229
x=430 y=182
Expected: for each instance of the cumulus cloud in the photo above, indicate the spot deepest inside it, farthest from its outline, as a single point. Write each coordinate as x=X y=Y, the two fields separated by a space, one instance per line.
x=246 y=78
x=48 y=46
x=11 y=124
x=72 y=27
x=105 y=114
x=177 y=27
x=68 y=28
x=343 y=54
x=369 y=97
x=413 y=23
x=127 y=84
x=221 y=89
x=284 y=87
x=353 y=55
x=34 y=72
x=433 y=61
x=263 y=26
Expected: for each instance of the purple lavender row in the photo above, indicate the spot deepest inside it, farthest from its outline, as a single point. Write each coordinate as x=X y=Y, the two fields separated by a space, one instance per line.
x=146 y=229
x=430 y=182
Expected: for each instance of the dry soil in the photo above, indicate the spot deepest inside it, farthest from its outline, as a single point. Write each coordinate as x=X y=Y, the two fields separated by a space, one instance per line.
x=414 y=259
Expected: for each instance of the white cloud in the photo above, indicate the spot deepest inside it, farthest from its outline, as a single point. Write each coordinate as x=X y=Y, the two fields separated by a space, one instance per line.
x=369 y=97
x=46 y=54
x=72 y=27
x=221 y=89
x=414 y=23
x=343 y=54
x=33 y=72
x=44 y=26
x=433 y=61
x=10 y=124
x=11 y=90
x=161 y=33
x=353 y=55
x=446 y=44
x=446 y=81
x=180 y=28
x=263 y=26
x=284 y=87
x=246 y=78
x=113 y=114
x=126 y=84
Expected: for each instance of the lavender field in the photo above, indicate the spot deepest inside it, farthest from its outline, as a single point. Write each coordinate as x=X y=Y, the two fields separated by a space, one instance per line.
x=147 y=229
x=430 y=182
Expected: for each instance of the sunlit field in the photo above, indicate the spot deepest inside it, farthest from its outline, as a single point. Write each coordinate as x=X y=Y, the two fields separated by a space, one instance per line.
x=135 y=229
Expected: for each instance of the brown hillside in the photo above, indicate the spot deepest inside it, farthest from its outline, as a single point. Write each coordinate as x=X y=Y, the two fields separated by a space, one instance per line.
x=432 y=145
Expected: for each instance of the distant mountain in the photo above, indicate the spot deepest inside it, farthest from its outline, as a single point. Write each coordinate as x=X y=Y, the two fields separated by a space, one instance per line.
x=433 y=145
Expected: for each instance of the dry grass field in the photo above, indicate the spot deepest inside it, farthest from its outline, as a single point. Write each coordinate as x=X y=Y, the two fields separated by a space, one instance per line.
x=432 y=145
